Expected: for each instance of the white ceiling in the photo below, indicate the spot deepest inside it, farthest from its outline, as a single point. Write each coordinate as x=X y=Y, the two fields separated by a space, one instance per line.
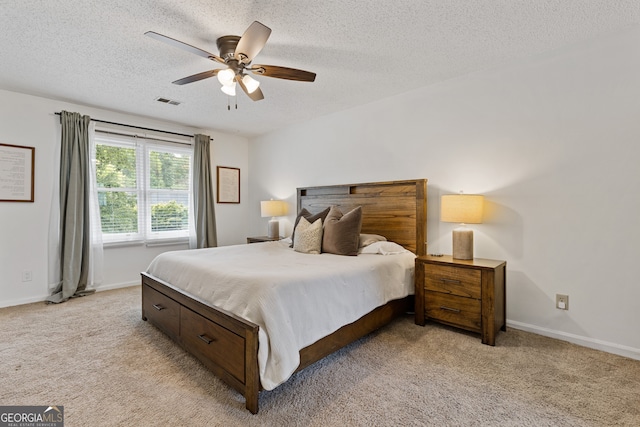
x=95 y=53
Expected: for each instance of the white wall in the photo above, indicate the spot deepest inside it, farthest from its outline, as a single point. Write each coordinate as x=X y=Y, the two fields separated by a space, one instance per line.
x=30 y=121
x=553 y=144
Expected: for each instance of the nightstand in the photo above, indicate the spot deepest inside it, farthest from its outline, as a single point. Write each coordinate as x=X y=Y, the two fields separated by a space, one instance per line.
x=468 y=294
x=258 y=239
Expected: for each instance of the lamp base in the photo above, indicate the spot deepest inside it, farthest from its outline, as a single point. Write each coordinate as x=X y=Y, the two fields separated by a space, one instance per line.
x=462 y=243
x=274 y=229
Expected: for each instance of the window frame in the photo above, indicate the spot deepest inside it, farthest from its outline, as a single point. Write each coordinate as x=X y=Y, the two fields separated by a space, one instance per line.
x=143 y=148
x=155 y=236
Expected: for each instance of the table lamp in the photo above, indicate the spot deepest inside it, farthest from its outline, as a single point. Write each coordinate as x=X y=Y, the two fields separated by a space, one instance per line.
x=463 y=209
x=273 y=208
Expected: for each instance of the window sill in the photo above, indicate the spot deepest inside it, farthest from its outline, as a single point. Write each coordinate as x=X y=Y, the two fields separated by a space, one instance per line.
x=148 y=243
x=121 y=244
x=167 y=242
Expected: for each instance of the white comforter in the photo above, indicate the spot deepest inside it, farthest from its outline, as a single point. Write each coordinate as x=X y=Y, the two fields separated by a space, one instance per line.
x=295 y=298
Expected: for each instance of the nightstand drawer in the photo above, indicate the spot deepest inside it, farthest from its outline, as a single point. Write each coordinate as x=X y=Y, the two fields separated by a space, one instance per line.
x=454 y=310
x=464 y=282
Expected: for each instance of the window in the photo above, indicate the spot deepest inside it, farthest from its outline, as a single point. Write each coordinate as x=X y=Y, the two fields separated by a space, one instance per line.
x=143 y=188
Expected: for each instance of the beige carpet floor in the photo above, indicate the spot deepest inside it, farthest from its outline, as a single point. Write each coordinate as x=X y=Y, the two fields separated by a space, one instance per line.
x=107 y=367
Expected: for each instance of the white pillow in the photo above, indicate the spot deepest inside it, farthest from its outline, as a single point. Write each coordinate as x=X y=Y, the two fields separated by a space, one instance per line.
x=383 y=248
x=287 y=241
x=367 y=239
x=308 y=236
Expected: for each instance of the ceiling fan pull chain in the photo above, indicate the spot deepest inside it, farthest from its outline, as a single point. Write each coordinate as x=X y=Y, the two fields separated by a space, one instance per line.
x=228 y=105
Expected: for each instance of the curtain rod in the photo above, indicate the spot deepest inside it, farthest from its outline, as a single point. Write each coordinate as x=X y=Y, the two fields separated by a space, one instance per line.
x=146 y=138
x=138 y=127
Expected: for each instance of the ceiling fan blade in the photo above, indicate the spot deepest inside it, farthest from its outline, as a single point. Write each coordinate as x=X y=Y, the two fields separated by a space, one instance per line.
x=184 y=46
x=256 y=95
x=252 y=42
x=283 y=73
x=196 y=77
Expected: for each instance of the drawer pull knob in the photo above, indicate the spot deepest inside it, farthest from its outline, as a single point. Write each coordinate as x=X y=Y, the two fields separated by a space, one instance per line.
x=158 y=307
x=206 y=339
x=455 y=310
x=453 y=281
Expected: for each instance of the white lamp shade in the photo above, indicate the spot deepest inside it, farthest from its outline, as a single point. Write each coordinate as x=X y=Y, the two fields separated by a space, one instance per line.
x=461 y=208
x=226 y=76
x=273 y=208
x=250 y=83
x=229 y=89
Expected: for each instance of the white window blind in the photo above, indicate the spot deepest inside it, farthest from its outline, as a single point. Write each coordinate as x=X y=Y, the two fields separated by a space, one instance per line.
x=144 y=188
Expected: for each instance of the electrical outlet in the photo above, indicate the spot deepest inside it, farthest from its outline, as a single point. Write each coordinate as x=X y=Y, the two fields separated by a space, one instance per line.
x=26 y=276
x=562 y=302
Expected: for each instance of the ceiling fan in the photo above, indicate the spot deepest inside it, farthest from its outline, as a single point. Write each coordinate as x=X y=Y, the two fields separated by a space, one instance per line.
x=237 y=53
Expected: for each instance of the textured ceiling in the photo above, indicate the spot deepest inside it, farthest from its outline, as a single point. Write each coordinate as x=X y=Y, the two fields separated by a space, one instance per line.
x=95 y=52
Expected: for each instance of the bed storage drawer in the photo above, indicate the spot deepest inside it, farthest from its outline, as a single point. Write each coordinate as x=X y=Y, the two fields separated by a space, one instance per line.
x=454 y=310
x=161 y=310
x=209 y=341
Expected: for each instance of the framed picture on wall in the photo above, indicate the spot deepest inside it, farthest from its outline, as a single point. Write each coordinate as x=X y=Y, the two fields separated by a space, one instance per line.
x=228 y=180
x=16 y=173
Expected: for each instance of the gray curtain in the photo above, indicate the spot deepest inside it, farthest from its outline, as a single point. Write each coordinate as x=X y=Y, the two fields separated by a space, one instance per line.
x=74 y=208
x=203 y=212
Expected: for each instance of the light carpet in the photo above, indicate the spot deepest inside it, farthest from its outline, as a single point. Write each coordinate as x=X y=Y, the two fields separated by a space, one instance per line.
x=97 y=358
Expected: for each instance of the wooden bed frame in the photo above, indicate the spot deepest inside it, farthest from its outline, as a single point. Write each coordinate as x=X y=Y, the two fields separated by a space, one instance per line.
x=228 y=344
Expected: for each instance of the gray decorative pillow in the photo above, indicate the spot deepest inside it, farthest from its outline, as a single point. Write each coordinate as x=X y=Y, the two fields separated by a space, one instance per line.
x=308 y=236
x=342 y=232
x=304 y=213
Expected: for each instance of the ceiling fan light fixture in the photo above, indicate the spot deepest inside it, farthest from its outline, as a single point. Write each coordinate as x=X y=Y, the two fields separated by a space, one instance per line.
x=236 y=56
x=229 y=89
x=226 y=76
x=250 y=83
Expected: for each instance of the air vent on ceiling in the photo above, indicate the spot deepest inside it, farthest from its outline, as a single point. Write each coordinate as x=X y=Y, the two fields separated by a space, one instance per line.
x=168 y=101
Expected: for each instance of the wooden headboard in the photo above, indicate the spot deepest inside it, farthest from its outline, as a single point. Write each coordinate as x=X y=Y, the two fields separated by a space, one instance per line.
x=394 y=209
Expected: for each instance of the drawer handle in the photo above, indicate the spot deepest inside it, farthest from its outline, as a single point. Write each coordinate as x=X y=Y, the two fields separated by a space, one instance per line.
x=206 y=339
x=455 y=310
x=455 y=282
x=158 y=307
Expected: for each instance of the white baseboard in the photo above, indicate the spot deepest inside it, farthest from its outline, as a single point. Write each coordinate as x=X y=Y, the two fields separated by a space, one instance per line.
x=117 y=286
x=621 y=350
x=43 y=297
x=21 y=301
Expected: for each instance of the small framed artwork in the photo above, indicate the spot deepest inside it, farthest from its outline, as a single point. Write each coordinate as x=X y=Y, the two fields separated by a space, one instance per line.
x=228 y=184
x=16 y=173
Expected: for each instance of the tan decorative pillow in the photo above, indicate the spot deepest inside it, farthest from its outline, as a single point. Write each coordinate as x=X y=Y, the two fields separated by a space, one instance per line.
x=308 y=236
x=304 y=213
x=342 y=232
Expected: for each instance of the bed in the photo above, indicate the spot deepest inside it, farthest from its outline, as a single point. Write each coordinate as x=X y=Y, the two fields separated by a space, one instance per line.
x=228 y=343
